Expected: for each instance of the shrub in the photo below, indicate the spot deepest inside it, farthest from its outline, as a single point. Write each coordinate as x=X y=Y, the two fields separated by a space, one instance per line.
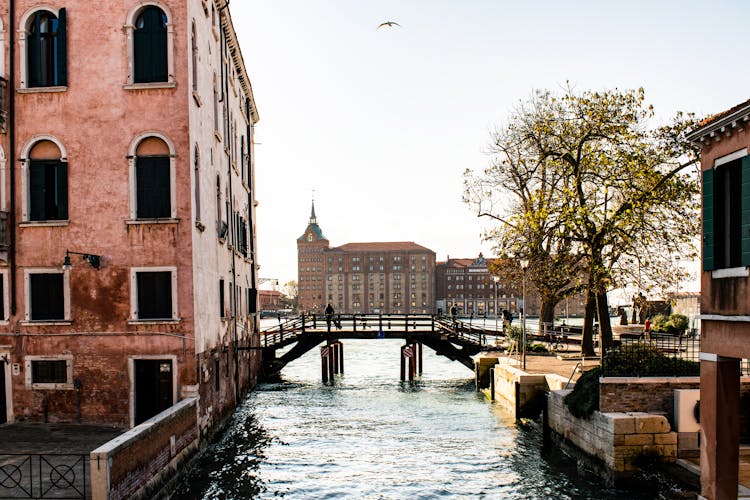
x=632 y=360
x=645 y=360
x=584 y=399
x=659 y=323
x=536 y=348
x=679 y=323
x=676 y=324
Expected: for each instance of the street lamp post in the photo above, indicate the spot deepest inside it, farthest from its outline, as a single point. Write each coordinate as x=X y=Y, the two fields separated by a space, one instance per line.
x=496 y=279
x=524 y=264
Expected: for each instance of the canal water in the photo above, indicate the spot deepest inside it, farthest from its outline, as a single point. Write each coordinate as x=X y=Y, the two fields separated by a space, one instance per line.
x=370 y=436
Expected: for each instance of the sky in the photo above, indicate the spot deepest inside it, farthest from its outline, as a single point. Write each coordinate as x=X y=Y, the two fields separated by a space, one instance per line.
x=379 y=125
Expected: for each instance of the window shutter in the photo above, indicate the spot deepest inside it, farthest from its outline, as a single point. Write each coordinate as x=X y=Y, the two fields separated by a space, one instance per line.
x=36 y=191
x=745 y=218
x=708 y=220
x=62 y=48
x=33 y=52
x=61 y=191
x=252 y=299
x=152 y=187
x=47 y=298
x=154 y=295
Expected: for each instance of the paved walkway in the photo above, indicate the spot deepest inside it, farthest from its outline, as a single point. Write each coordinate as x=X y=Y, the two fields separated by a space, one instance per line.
x=35 y=438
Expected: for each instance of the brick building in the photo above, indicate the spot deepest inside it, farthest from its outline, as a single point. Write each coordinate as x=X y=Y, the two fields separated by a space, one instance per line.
x=126 y=209
x=725 y=293
x=366 y=278
x=269 y=300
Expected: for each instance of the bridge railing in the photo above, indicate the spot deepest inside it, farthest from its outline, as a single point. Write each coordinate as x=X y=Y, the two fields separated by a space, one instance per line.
x=287 y=331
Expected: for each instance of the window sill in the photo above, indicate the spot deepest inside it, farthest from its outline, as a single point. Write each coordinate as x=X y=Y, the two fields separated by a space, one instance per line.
x=47 y=322
x=174 y=321
x=730 y=272
x=52 y=387
x=44 y=223
x=149 y=85
x=197 y=99
x=42 y=90
x=135 y=222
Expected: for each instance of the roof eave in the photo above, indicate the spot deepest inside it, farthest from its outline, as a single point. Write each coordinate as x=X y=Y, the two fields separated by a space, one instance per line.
x=722 y=127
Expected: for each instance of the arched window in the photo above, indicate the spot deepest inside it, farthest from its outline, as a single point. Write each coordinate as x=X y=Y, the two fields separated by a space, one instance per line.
x=150 y=46
x=46 y=48
x=47 y=183
x=153 y=198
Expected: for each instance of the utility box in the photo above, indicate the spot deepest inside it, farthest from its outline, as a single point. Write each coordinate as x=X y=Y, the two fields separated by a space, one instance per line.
x=687 y=410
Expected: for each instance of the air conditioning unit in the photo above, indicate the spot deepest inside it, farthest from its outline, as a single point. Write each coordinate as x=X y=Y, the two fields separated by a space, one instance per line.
x=687 y=410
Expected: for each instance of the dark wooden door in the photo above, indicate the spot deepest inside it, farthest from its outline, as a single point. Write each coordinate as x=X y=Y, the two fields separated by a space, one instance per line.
x=153 y=387
x=3 y=403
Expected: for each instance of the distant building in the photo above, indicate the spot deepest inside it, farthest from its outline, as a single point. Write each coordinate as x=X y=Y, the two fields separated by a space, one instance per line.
x=725 y=293
x=269 y=300
x=367 y=278
x=468 y=284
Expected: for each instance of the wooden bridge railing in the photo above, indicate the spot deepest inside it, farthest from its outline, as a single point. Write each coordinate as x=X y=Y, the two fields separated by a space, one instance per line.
x=288 y=330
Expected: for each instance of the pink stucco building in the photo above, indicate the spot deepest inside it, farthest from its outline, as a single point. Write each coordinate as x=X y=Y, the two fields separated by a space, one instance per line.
x=126 y=152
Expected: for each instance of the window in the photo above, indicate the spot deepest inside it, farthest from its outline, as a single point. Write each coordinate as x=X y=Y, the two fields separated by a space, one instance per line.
x=152 y=187
x=47 y=296
x=194 y=56
x=726 y=213
x=46 y=47
x=154 y=294
x=48 y=190
x=150 y=46
x=49 y=372
x=45 y=181
x=197 y=170
x=222 y=313
x=152 y=170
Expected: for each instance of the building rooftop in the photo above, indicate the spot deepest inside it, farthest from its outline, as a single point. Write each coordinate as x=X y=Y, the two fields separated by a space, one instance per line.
x=385 y=246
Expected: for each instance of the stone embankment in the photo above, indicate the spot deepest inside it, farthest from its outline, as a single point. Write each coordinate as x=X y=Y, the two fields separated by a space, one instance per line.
x=620 y=440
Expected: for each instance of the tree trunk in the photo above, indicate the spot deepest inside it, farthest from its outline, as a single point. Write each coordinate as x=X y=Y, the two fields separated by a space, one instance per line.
x=605 y=328
x=547 y=312
x=587 y=341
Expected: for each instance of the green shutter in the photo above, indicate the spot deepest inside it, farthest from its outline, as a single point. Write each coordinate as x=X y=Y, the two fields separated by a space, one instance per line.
x=745 y=220
x=708 y=220
x=62 y=48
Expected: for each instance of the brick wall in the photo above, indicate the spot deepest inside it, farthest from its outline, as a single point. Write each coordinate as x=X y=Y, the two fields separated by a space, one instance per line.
x=139 y=458
x=617 y=439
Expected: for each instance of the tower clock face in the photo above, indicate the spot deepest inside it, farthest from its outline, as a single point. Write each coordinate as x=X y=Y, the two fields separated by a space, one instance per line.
x=309 y=237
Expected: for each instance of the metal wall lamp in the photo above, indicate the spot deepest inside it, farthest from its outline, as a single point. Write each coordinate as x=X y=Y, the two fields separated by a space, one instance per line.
x=93 y=260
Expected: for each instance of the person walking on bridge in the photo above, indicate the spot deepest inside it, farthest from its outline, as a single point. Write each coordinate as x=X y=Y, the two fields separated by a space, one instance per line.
x=329 y=316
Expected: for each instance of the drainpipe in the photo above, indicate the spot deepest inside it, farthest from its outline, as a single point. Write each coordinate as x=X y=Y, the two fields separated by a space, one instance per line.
x=11 y=100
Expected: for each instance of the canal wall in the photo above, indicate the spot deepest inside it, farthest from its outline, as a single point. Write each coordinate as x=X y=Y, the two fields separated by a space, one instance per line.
x=142 y=460
x=520 y=392
x=619 y=440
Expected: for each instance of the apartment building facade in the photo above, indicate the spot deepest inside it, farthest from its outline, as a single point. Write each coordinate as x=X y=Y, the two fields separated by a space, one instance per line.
x=128 y=269
x=363 y=278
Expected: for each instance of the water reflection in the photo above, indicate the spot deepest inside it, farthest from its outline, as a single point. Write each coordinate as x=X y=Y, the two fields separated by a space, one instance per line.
x=372 y=436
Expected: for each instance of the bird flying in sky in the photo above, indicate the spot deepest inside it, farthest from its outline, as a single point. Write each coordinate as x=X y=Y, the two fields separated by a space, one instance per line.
x=390 y=24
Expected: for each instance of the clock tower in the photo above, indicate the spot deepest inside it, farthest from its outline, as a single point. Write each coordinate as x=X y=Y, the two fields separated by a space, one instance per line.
x=311 y=247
